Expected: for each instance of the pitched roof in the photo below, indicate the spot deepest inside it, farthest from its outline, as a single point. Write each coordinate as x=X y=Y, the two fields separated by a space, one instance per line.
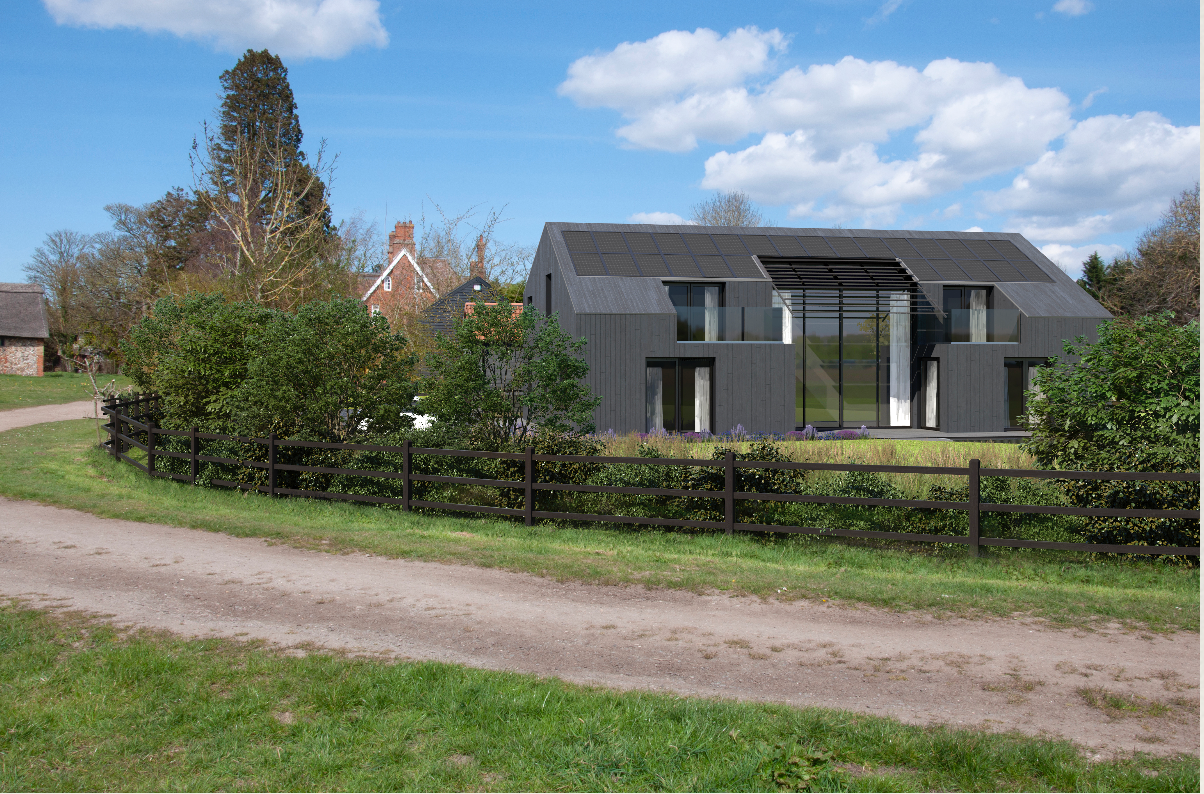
x=23 y=311
x=818 y=258
x=440 y=314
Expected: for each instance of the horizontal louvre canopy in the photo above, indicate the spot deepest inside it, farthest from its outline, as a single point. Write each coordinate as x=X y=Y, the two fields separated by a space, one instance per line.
x=790 y=275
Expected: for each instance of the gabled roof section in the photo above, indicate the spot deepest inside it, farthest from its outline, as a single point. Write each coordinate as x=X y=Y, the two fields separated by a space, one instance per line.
x=23 y=311
x=402 y=254
x=440 y=314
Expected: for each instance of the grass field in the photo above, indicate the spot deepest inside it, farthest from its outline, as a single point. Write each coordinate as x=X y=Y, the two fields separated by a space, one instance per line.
x=18 y=391
x=86 y=707
x=58 y=464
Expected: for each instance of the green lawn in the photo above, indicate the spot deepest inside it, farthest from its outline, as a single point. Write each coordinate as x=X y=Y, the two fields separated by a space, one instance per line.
x=58 y=464
x=18 y=391
x=86 y=707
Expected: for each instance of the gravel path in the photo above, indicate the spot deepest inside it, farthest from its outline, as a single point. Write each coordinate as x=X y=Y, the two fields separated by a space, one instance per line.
x=995 y=674
x=998 y=675
x=37 y=414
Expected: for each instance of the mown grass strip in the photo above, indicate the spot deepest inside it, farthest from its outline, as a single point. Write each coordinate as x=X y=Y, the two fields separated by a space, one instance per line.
x=58 y=464
x=86 y=707
x=19 y=391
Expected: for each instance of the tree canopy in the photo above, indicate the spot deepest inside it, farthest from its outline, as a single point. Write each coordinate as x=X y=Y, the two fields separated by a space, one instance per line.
x=733 y=208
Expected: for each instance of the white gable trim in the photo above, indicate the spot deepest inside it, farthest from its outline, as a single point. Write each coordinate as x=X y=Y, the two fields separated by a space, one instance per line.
x=389 y=269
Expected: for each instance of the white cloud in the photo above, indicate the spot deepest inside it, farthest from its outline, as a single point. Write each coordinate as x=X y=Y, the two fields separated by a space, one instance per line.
x=640 y=74
x=973 y=229
x=1071 y=257
x=884 y=11
x=1073 y=8
x=292 y=28
x=663 y=218
x=1112 y=173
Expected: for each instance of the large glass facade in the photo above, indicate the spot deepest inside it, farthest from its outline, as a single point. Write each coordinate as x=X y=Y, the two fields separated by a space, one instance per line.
x=844 y=346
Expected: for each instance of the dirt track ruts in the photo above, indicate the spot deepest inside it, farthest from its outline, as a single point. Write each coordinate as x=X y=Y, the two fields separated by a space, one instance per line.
x=994 y=674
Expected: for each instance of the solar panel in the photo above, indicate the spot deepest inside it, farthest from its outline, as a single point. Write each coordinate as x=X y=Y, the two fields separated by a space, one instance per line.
x=744 y=267
x=1029 y=270
x=976 y=270
x=929 y=249
x=957 y=250
x=682 y=266
x=947 y=269
x=713 y=267
x=620 y=265
x=641 y=242
x=982 y=249
x=901 y=248
x=729 y=244
x=788 y=246
x=651 y=265
x=701 y=244
x=610 y=241
x=1004 y=271
x=1008 y=249
x=670 y=243
x=588 y=264
x=579 y=241
x=844 y=246
x=816 y=246
x=922 y=270
x=874 y=247
x=759 y=244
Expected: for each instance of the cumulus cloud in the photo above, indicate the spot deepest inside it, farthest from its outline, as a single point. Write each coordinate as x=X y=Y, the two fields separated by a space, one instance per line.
x=1073 y=8
x=815 y=139
x=292 y=28
x=1071 y=257
x=1112 y=173
x=663 y=218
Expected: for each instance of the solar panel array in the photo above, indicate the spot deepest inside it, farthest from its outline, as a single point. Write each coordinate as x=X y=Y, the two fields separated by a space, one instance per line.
x=722 y=256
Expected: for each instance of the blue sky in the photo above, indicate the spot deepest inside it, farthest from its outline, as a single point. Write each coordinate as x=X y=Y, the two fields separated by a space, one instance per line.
x=1070 y=122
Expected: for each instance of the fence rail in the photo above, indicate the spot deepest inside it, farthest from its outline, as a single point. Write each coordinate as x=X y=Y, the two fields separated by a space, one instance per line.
x=130 y=418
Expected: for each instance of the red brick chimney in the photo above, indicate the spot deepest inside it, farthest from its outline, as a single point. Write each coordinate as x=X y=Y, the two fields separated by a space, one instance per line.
x=477 y=266
x=402 y=237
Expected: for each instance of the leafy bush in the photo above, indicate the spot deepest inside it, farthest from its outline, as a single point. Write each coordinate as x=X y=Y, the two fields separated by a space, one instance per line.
x=1130 y=403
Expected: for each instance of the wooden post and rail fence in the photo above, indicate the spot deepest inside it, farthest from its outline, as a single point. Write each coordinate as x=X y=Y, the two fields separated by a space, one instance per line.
x=134 y=419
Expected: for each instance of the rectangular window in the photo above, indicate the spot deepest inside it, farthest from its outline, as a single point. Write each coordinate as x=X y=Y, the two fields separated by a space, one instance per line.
x=375 y=309
x=930 y=395
x=679 y=395
x=966 y=308
x=699 y=318
x=547 y=295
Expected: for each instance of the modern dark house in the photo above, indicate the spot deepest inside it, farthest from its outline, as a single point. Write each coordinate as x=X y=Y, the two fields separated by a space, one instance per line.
x=693 y=328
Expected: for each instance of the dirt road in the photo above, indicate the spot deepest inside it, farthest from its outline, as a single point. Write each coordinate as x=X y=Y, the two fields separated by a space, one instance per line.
x=996 y=674
x=37 y=414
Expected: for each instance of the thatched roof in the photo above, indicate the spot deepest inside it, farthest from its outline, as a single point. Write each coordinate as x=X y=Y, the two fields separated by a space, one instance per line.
x=23 y=311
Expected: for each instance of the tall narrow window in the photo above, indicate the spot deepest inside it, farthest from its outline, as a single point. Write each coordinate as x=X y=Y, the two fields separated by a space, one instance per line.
x=900 y=359
x=547 y=295
x=388 y=283
x=931 y=372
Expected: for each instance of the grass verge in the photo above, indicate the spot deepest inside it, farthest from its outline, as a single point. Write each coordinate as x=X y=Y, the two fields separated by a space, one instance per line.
x=20 y=391
x=58 y=464
x=86 y=707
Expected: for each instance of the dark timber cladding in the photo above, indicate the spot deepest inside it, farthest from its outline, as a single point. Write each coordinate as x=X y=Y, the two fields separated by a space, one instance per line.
x=723 y=256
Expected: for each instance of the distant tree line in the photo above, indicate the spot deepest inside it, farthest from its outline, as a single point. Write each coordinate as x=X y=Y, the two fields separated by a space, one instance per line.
x=1162 y=273
x=255 y=225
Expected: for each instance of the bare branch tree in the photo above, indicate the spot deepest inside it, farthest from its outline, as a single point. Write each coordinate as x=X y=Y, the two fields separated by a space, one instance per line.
x=273 y=210
x=57 y=267
x=455 y=238
x=733 y=208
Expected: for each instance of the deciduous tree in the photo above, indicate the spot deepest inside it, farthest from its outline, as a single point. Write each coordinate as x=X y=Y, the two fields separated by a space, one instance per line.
x=733 y=208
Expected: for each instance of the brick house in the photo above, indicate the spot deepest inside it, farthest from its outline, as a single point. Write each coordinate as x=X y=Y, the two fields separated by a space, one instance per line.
x=407 y=283
x=24 y=329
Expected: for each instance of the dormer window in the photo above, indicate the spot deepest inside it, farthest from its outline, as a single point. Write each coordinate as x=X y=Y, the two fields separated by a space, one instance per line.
x=388 y=283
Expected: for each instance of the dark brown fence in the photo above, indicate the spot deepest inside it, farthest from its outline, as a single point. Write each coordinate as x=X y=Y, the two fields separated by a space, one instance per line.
x=132 y=425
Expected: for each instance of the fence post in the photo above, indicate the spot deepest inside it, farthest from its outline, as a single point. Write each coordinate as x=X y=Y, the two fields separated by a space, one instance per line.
x=405 y=476
x=975 y=548
x=111 y=425
x=192 y=449
x=150 y=445
x=272 y=463
x=729 y=492
x=529 y=482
